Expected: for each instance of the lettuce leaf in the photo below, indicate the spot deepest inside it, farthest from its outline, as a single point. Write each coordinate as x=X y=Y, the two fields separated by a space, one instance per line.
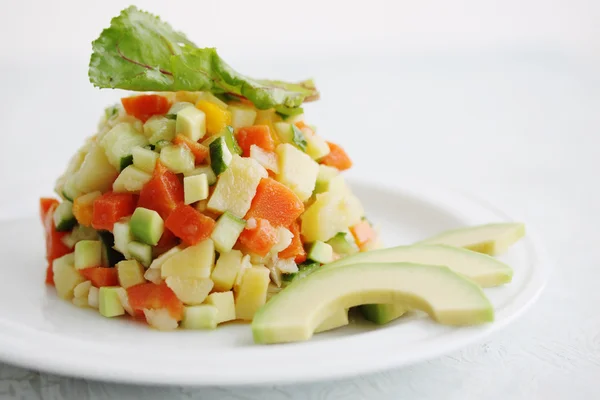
x=140 y=52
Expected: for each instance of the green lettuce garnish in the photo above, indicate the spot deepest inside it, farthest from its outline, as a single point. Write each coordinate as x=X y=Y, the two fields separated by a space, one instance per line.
x=140 y=52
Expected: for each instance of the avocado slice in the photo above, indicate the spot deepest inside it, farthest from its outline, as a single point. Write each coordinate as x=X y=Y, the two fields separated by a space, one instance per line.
x=301 y=307
x=489 y=239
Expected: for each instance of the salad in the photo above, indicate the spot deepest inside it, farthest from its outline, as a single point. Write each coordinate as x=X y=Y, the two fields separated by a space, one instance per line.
x=207 y=197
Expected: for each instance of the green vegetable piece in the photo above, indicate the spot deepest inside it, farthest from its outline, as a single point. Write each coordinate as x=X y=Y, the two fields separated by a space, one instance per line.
x=231 y=141
x=304 y=270
x=203 y=316
x=343 y=243
x=298 y=138
x=206 y=170
x=111 y=112
x=140 y=52
x=64 y=220
x=109 y=302
x=227 y=231
x=88 y=254
x=141 y=252
x=320 y=252
x=146 y=226
x=110 y=257
x=171 y=116
x=126 y=162
x=220 y=155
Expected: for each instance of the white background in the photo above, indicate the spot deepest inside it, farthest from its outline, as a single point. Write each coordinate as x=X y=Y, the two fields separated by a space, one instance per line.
x=499 y=98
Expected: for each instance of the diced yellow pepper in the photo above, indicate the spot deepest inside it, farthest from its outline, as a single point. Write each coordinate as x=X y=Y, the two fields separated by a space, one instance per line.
x=217 y=118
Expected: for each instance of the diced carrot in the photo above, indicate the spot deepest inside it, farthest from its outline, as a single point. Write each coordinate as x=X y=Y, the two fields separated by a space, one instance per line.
x=101 y=276
x=111 y=207
x=145 y=106
x=162 y=193
x=46 y=203
x=295 y=249
x=83 y=211
x=337 y=158
x=259 y=135
x=260 y=239
x=199 y=151
x=55 y=247
x=276 y=203
x=363 y=232
x=189 y=225
x=152 y=296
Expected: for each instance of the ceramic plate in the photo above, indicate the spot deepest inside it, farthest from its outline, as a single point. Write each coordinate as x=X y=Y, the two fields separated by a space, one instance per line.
x=40 y=331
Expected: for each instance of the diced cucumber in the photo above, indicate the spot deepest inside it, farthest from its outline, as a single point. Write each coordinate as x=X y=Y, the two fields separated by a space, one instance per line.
x=287 y=113
x=110 y=257
x=69 y=190
x=157 y=129
x=81 y=232
x=131 y=180
x=220 y=155
x=206 y=170
x=146 y=226
x=303 y=271
x=195 y=261
x=225 y=305
x=120 y=141
x=343 y=243
x=231 y=141
x=130 y=273
x=242 y=116
x=178 y=159
x=144 y=159
x=320 y=252
x=290 y=133
x=141 y=252
x=109 y=302
x=316 y=146
x=265 y=158
x=88 y=253
x=191 y=123
x=195 y=188
x=64 y=220
x=325 y=175
x=123 y=236
x=297 y=170
x=126 y=162
x=226 y=232
x=161 y=144
x=176 y=107
x=203 y=316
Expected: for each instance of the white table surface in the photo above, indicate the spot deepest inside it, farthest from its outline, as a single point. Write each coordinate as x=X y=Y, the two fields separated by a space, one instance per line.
x=520 y=129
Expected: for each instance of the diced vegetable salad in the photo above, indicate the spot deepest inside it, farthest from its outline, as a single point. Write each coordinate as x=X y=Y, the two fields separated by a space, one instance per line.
x=191 y=208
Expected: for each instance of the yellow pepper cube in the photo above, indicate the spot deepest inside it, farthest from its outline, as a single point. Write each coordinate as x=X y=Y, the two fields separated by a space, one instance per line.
x=217 y=118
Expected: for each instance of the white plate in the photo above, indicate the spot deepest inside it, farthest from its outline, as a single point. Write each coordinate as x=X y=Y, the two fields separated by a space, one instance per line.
x=40 y=331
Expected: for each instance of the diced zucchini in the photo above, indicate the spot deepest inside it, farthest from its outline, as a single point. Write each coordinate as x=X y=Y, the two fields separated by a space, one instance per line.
x=141 y=252
x=158 y=128
x=69 y=190
x=320 y=252
x=144 y=159
x=236 y=187
x=316 y=146
x=252 y=293
x=220 y=155
x=96 y=172
x=225 y=305
x=303 y=271
x=297 y=170
x=191 y=122
x=343 y=243
x=290 y=133
x=66 y=277
x=325 y=175
x=178 y=159
x=195 y=188
x=123 y=236
x=126 y=162
x=131 y=180
x=176 y=107
x=146 y=226
x=161 y=144
x=265 y=158
x=206 y=170
x=199 y=317
x=130 y=273
x=242 y=116
x=120 y=141
x=190 y=290
x=64 y=220
x=109 y=302
x=88 y=253
x=226 y=270
x=226 y=232
x=231 y=141
x=110 y=257
x=196 y=261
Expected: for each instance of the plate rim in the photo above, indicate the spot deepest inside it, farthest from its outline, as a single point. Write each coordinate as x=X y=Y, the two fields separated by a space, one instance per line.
x=14 y=354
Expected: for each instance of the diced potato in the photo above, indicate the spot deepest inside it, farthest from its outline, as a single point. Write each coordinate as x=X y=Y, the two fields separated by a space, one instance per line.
x=144 y=159
x=190 y=290
x=316 y=146
x=80 y=301
x=284 y=238
x=178 y=159
x=160 y=260
x=130 y=273
x=159 y=128
x=200 y=317
x=191 y=123
x=82 y=289
x=196 y=261
x=236 y=186
x=297 y=170
x=160 y=319
x=329 y=214
x=96 y=173
x=242 y=116
x=252 y=293
x=225 y=305
x=227 y=268
x=93 y=297
x=131 y=180
x=124 y=299
x=195 y=188
x=153 y=275
x=265 y=158
x=245 y=265
x=66 y=277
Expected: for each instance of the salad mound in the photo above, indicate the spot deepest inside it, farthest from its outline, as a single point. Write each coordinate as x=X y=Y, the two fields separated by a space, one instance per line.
x=200 y=198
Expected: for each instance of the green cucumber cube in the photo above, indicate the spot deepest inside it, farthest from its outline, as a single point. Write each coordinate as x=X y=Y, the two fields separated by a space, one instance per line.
x=88 y=253
x=220 y=155
x=320 y=252
x=231 y=141
x=158 y=129
x=109 y=302
x=226 y=232
x=343 y=243
x=141 y=252
x=178 y=159
x=191 y=123
x=120 y=141
x=122 y=236
x=126 y=162
x=144 y=159
x=206 y=170
x=195 y=188
x=324 y=177
x=203 y=316
x=131 y=180
x=146 y=226
x=64 y=220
